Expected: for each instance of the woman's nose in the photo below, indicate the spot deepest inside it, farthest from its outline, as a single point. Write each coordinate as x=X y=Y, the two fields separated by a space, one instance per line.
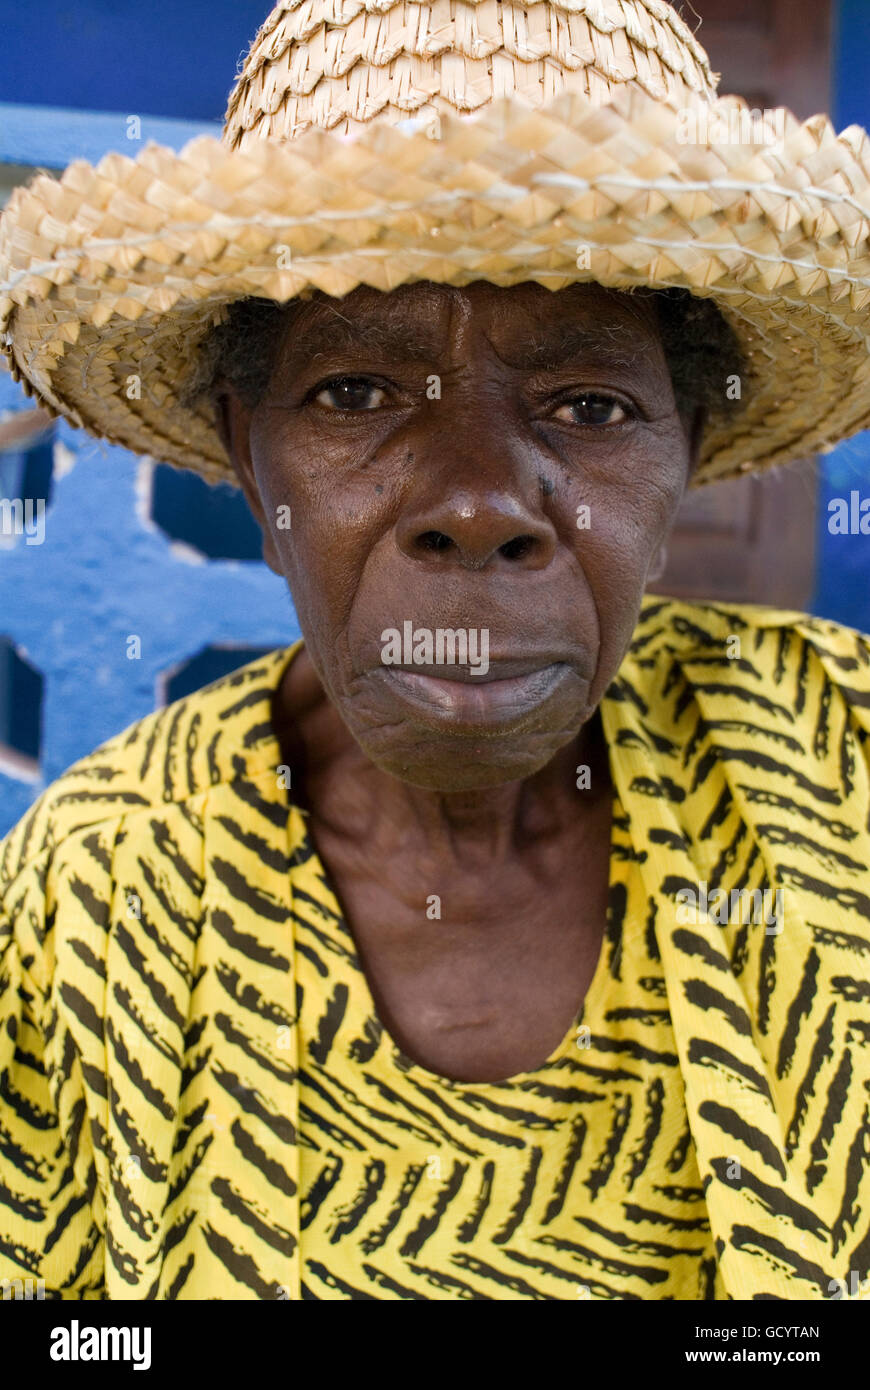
x=476 y=496
x=476 y=528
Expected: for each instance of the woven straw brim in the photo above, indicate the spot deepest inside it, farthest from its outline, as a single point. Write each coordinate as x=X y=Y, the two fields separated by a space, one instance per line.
x=119 y=271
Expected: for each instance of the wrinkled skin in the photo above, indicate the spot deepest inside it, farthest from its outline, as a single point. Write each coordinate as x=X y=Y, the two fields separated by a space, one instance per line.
x=462 y=512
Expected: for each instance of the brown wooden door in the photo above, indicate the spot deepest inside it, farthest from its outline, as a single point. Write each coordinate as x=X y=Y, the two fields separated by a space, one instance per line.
x=753 y=539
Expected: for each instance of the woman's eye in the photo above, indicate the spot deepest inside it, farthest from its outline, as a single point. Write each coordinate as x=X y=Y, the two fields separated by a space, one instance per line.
x=350 y=393
x=590 y=409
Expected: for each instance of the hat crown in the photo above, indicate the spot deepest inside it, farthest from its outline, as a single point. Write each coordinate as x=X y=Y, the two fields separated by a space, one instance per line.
x=343 y=63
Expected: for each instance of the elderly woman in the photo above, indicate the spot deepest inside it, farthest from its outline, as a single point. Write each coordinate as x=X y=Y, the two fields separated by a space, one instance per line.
x=509 y=936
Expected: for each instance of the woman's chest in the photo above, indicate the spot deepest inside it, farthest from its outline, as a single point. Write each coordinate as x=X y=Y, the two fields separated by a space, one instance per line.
x=572 y=1180
x=477 y=979
x=476 y=967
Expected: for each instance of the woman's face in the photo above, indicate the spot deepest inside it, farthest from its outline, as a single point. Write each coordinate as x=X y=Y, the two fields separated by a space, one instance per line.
x=500 y=463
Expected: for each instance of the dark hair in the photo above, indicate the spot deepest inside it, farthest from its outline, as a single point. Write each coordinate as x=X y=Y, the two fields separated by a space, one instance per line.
x=700 y=346
x=702 y=352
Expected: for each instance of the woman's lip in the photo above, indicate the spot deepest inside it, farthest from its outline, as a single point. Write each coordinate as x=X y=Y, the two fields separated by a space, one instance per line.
x=496 y=669
x=488 y=701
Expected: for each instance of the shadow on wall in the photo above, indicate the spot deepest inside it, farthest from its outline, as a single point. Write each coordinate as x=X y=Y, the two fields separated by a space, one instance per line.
x=216 y=521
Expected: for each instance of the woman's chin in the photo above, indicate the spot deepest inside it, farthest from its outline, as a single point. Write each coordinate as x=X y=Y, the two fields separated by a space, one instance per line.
x=448 y=736
x=458 y=764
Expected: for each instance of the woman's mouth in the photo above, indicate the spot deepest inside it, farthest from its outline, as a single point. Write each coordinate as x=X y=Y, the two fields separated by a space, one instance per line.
x=501 y=696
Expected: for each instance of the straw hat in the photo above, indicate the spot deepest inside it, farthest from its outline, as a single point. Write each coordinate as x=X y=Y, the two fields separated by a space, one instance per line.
x=379 y=142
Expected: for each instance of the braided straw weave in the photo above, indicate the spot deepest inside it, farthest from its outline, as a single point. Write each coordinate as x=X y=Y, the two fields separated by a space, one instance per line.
x=341 y=64
x=381 y=142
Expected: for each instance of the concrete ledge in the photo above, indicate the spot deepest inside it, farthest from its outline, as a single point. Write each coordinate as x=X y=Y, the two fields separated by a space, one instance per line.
x=49 y=137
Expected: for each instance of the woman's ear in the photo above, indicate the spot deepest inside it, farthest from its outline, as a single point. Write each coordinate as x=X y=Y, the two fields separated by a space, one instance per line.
x=658 y=564
x=696 y=426
x=220 y=406
x=233 y=424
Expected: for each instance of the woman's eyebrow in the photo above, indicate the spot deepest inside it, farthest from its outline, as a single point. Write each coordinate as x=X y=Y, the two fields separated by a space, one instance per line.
x=412 y=342
x=615 y=346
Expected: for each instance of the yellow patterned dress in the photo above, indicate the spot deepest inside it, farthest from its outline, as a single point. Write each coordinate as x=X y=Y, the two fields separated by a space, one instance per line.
x=198 y=1101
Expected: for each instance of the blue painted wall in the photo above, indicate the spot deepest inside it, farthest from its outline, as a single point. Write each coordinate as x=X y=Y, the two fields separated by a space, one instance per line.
x=842 y=589
x=166 y=57
x=105 y=573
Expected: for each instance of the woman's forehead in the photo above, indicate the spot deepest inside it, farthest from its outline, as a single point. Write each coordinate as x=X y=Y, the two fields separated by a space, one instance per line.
x=420 y=319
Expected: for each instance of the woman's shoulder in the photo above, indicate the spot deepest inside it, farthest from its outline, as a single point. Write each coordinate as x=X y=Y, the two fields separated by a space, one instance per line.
x=775 y=698
x=161 y=764
x=797 y=657
x=705 y=621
